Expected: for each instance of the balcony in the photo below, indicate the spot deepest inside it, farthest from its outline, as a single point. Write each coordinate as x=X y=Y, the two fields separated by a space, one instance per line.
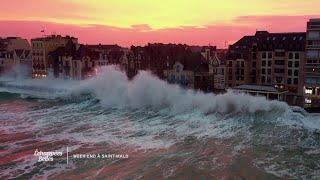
x=314 y=46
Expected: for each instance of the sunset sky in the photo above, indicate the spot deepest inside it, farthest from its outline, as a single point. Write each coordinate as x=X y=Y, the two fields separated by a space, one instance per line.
x=126 y=22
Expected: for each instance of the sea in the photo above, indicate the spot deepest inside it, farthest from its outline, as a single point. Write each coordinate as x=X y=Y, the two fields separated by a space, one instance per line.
x=109 y=127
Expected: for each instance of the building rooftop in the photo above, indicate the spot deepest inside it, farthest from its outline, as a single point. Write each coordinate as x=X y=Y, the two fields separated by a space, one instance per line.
x=315 y=20
x=50 y=37
x=103 y=46
x=261 y=88
x=265 y=41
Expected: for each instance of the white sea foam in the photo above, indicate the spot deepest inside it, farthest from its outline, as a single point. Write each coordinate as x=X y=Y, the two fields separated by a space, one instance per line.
x=148 y=113
x=113 y=89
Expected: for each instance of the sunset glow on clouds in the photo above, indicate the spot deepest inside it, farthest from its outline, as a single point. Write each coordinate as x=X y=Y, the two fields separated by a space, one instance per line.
x=127 y=22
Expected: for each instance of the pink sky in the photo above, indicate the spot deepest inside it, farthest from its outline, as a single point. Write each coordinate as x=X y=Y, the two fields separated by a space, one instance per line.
x=141 y=22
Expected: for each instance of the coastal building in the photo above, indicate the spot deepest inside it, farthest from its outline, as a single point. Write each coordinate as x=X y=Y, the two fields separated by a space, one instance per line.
x=75 y=62
x=280 y=63
x=109 y=54
x=131 y=63
x=157 y=56
x=239 y=62
x=273 y=59
x=217 y=67
x=182 y=74
x=41 y=47
x=312 y=65
x=216 y=60
x=190 y=71
x=14 y=52
x=270 y=92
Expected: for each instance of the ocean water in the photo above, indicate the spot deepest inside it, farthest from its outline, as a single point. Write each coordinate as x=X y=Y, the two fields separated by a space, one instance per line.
x=167 y=132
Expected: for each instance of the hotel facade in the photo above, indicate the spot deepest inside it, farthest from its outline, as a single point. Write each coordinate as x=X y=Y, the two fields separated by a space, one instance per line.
x=269 y=59
x=312 y=65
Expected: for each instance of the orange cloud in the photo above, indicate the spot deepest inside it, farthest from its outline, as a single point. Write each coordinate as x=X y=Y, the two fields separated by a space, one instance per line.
x=215 y=34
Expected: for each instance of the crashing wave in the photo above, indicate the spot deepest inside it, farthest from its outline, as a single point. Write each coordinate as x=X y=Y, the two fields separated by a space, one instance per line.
x=113 y=89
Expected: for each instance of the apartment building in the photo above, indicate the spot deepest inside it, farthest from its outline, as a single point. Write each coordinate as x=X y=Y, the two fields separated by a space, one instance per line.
x=239 y=62
x=269 y=59
x=41 y=47
x=280 y=60
x=312 y=64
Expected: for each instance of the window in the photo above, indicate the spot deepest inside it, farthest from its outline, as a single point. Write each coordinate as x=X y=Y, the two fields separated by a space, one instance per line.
x=254 y=64
x=308 y=91
x=295 y=81
x=296 y=55
x=254 y=56
x=268 y=80
x=263 y=79
x=279 y=79
x=307 y=101
x=230 y=63
x=313 y=34
x=264 y=55
x=312 y=54
x=269 y=71
x=289 y=63
x=290 y=55
x=263 y=71
x=296 y=64
x=242 y=64
x=289 y=81
x=269 y=63
x=230 y=78
x=296 y=72
x=279 y=54
x=290 y=72
x=270 y=55
x=230 y=71
x=279 y=70
x=279 y=62
x=263 y=63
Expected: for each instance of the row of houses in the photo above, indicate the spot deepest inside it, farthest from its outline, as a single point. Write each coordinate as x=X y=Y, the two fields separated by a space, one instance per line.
x=284 y=66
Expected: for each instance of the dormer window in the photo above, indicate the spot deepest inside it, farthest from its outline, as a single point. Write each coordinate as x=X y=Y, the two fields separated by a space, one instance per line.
x=274 y=38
